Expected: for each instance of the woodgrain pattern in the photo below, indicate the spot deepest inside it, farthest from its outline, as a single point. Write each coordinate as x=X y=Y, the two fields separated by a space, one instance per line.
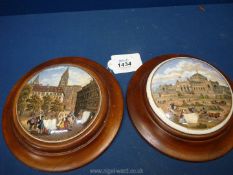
x=166 y=139
x=79 y=150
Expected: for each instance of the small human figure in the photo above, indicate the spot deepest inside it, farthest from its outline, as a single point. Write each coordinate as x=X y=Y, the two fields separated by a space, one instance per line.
x=31 y=122
x=41 y=126
x=181 y=118
x=66 y=123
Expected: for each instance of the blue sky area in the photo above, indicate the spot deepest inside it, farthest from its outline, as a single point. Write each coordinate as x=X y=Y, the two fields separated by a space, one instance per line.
x=51 y=76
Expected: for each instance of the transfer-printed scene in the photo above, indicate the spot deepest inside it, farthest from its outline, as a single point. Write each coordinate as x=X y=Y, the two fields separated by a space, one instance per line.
x=58 y=103
x=191 y=93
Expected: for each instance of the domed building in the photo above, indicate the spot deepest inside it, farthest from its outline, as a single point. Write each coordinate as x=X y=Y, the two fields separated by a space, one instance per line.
x=195 y=86
x=197 y=77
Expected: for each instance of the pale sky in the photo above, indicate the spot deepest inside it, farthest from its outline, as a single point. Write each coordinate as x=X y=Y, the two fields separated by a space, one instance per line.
x=183 y=68
x=51 y=76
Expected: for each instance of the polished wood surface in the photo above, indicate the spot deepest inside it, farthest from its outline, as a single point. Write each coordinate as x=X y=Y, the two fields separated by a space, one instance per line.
x=79 y=150
x=169 y=141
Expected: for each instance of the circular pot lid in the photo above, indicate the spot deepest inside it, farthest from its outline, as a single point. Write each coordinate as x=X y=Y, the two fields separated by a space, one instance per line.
x=183 y=107
x=62 y=114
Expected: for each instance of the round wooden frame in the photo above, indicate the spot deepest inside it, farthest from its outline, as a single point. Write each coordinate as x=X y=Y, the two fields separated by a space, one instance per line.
x=81 y=149
x=169 y=141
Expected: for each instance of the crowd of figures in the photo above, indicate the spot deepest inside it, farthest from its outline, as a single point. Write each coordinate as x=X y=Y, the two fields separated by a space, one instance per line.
x=191 y=114
x=42 y=125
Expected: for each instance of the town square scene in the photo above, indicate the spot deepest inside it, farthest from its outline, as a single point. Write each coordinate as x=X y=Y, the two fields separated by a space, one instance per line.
x=58 y=103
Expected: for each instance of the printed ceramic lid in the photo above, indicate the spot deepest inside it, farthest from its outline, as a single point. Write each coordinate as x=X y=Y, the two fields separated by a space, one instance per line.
x=62 y=114
x=58 y=103
x=190 y=95
x=182 y=106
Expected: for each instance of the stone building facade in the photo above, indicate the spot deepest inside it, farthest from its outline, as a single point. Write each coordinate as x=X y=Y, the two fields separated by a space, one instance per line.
x=64 y=92
x=53 y=91
x=70 y=91
x=195 y=86
x=88 y=98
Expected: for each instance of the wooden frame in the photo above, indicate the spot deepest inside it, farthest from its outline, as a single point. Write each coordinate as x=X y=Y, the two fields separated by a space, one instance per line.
x=170 y=141
x=80 y=149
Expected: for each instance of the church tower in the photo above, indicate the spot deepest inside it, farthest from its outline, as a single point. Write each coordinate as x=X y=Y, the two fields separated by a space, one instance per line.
x=36 y=81
x=64 y=78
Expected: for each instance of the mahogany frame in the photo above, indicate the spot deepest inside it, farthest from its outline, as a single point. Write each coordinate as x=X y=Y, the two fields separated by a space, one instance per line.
x=81 y=149
x=179 y=145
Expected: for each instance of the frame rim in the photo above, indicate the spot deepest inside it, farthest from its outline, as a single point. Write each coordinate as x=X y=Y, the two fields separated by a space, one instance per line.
x=190 y=131
x=45 y=156
x=49 y=147
x=169 y=141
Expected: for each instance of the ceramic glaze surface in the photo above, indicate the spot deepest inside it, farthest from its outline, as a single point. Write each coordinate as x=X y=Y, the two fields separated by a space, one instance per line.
x=58 y=103
x=190 y=95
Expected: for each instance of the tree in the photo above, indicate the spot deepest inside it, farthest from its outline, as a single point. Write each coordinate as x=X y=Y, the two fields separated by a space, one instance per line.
x=23 y=97
x=47 y=103
x=34 y=104
x=57 y=106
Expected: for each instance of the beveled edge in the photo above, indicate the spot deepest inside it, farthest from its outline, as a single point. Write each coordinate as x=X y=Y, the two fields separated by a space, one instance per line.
x=88 y=133
x=77 y=157
x=182 y=129
x=168 y=140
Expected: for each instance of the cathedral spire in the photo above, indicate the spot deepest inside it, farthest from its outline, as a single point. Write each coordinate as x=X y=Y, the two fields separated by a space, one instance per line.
x=36 y=80
x=64 y=78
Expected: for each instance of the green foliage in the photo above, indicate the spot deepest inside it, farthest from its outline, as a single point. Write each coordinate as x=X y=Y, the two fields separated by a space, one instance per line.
x=22 y=105
x=23 y=97
x=47 y=103
x=34 y=103
x=57 y=106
